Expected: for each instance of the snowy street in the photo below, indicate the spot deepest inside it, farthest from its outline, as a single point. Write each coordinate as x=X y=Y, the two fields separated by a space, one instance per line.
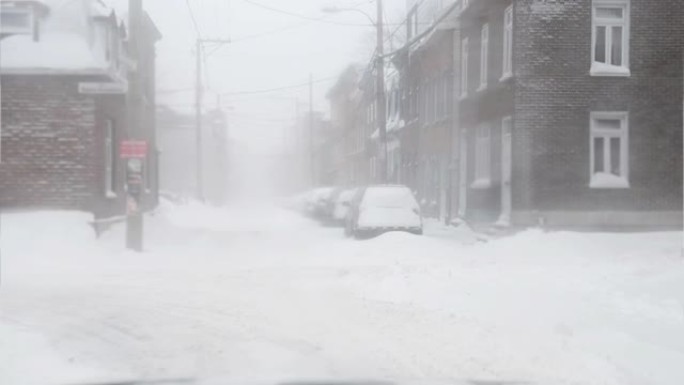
x=264 y=293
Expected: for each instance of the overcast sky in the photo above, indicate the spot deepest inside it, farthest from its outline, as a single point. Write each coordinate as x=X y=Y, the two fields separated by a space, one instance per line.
x=268 y=50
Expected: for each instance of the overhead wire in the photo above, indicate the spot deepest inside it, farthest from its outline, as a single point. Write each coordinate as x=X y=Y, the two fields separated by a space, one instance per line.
x=277 y=89
x=305 y=17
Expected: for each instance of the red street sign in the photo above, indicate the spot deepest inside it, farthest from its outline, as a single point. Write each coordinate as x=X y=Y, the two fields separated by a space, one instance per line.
x=133 y=149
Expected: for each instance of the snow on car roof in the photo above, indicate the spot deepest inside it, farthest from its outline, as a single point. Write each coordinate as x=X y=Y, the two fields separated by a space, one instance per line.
x=389 y=196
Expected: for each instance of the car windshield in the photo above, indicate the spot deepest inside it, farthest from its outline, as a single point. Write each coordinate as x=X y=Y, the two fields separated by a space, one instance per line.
x=342 y=192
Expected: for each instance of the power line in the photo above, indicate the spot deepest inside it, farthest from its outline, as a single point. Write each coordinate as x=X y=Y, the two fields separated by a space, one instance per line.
x=310 y=18
x=271 y=32
x=194 y=21
x=269 y=90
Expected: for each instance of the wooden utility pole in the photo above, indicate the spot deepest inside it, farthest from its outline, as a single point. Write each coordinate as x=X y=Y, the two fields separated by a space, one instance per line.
x=199 y=92
x=380 y=93
x=312 y=149
x=198 y=122
x=134 y=105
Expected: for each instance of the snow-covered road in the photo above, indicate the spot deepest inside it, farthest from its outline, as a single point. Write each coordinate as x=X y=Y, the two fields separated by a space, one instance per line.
x=262 y=293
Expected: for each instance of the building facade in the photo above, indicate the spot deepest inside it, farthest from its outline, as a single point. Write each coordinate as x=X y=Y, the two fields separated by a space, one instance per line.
x=534 y=112
x=572 y=112
x=63 y=116
x=429 y=110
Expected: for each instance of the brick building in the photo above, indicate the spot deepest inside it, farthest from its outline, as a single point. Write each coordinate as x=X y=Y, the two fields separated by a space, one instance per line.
x=572 y=112
x=63 y=73
x=428 y=107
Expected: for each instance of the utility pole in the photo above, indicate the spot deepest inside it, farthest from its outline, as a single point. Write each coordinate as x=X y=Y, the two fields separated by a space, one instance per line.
x=134 y=217
x=381 y=97
x=312 y=149
x=198 y=113
x=198 y=122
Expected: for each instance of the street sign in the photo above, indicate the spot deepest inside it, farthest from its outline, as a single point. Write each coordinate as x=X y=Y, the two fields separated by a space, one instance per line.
x=133 y=149
x=102 y=88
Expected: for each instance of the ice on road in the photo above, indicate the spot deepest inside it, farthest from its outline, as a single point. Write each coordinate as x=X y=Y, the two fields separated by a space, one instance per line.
x=264 y=293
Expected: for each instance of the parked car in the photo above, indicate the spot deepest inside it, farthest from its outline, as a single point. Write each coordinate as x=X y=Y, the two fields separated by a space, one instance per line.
x=330 y=203
x=317 y=201
x=378 y=209
x=342 y=205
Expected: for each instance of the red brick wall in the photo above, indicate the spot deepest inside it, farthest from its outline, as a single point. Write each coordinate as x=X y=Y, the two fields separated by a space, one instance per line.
x=53 y=145
x=555 y=95
x=47 y=144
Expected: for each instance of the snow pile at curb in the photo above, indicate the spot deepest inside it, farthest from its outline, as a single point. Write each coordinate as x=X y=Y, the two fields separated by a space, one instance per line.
x=45 y=240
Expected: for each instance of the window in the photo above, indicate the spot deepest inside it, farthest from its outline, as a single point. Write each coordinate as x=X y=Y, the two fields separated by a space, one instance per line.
x=449 y=93
x=464 y=67
x=508 y=43
x=412 y=23
x=609 y=147
x=483 y=157
x=610 y=38
x=110 y=159
x=16 y=21
x=484 y=56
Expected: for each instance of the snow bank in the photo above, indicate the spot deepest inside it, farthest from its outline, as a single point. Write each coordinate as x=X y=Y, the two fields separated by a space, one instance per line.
x=45 y=240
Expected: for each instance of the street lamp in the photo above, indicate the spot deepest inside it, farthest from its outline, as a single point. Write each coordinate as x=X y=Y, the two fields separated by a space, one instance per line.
x=380 y=77
x=335 y=9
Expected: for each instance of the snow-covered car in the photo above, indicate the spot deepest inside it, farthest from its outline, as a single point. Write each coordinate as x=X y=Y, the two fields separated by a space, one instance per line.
x=379 y=209
x=317 y=201
x=342 y=205
x=330 y=204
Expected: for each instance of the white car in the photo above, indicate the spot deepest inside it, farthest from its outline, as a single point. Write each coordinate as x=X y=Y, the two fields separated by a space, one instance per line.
x=379 y=209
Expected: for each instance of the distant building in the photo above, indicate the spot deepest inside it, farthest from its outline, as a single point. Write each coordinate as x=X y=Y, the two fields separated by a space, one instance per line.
x=63 y=76
x=177 y=136
x=344 y=104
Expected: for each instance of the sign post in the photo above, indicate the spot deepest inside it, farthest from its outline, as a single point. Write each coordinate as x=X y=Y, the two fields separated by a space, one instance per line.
x=134 y=152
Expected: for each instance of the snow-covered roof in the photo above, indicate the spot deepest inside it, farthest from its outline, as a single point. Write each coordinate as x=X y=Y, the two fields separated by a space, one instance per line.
x=55 y=51
x=65 y=42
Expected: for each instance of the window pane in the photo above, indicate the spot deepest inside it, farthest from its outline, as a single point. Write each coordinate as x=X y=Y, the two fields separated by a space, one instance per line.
x=608 y=124
x=14 y=20
x=615 y=166
x=600 y=50
x=616 y=47
x=598 y=155
x=609 y=13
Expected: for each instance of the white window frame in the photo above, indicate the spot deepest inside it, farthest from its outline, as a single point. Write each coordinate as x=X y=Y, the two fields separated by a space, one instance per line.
x=464 y=67
x=607 y=69
x=483 y=157
x=507 y=65
x=110 y=159
x=27 y=30
x=607 y=134
x=484 y=56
